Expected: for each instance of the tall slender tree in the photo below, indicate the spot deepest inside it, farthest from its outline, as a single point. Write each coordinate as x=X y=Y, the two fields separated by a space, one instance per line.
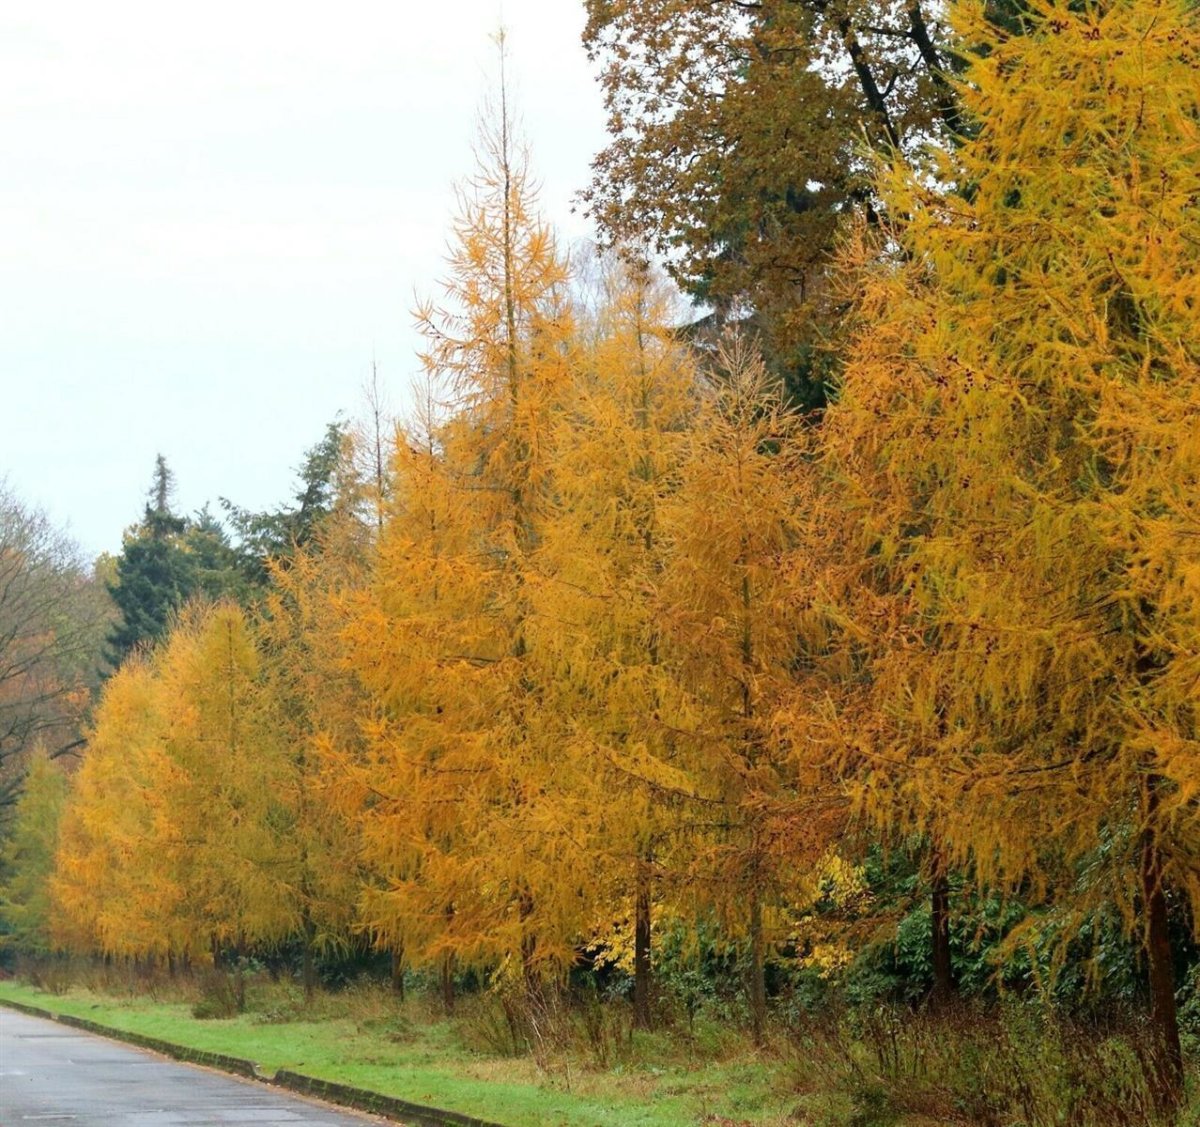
x=453 y=582
x=734 y=619
x=598 y=605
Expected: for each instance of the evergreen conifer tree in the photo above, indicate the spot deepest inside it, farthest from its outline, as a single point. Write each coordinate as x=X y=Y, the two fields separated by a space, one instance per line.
x=154 y=573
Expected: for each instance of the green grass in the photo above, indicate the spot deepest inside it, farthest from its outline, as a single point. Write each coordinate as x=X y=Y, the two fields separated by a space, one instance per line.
x=373 y=1041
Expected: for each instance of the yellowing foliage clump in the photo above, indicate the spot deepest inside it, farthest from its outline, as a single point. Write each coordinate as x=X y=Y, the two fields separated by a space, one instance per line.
x=1017 y=447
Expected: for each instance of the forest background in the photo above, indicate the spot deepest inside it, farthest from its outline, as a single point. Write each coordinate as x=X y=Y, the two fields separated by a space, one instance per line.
x=827 y=650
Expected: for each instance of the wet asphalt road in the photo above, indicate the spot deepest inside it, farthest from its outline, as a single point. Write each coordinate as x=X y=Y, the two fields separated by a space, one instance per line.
x=51 y=1074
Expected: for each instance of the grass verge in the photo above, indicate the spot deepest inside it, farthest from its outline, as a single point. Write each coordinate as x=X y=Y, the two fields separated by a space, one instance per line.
x=373 y=1041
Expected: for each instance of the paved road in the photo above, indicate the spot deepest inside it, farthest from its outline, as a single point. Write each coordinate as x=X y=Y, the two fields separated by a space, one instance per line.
x=51 y=1074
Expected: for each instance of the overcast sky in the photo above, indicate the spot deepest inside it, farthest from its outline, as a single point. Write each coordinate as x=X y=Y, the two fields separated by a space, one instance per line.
x=213 y=215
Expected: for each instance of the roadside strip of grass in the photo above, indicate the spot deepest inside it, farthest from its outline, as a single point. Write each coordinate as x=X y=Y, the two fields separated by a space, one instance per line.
x=422 y=1061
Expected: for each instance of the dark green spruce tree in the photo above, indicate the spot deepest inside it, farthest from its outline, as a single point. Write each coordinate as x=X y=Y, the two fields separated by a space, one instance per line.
x=216 y=564
x=277 y=533
x=155 y=573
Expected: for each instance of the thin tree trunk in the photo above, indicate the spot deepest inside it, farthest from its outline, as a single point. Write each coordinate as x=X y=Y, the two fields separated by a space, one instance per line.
x=528 y=948
x=448 y=982
x=240 y=974
x=641 y=949
x=398 y=970
x=1164 y=1020
x=309 y=962
x=758 y=981
x=943 y=972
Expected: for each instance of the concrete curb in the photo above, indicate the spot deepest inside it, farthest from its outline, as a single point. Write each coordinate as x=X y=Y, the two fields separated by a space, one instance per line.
x=220 y=1061
x=362 y=1099
x=32 y=1011
x=416 y=1114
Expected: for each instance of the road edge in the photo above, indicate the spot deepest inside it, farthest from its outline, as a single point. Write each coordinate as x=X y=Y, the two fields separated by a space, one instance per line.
x=344 y=1095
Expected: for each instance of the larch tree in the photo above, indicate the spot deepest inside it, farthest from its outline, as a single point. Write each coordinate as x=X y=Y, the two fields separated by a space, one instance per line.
x=734 y=618
x=466 y=848
x=313 y=704
x=224 y=834
x=110 y=892
x=406 y=636
x=600 y=569
x=1017 y=436
x=373 y=439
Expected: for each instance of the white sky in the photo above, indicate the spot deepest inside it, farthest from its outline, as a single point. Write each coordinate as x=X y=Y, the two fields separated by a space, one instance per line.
x=211 y=215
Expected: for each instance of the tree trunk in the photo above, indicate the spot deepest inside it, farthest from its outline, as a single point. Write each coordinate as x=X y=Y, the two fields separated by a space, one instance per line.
x=1164 y=1021
x=398 y=970
x=240 y=974
x=529 y=968
x=943 y=972
x=309 y=962
x=758 y=981
x=641 y=950
x=448 y=982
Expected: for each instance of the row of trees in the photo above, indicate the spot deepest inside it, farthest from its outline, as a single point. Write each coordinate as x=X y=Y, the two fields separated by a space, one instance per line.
x=630 y=640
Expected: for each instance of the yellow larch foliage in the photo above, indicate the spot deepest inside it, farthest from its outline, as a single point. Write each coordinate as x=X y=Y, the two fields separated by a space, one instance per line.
x=734 y=621
x=221 y=779
x=314 y=705
x=1017 y=439
x=468 y=849
x=597 y=633
x=108 y=892
x=183 y=833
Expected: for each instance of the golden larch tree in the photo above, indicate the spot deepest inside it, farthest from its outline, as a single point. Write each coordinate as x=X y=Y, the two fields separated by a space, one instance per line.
x=1017 y=438
x=110 y=892
x=734 y=620
x=460 y=829
x=598 y=637
x=220 y=777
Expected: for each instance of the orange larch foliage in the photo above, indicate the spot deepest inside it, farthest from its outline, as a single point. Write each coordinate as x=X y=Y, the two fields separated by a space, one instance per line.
x=1017 y=440
x=469 y=851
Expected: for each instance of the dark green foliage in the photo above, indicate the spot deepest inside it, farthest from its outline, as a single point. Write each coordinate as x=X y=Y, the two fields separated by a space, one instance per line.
x=167 y=559
x=277 y=533
x=216 y=571
x=153 y=581
x=155 y=574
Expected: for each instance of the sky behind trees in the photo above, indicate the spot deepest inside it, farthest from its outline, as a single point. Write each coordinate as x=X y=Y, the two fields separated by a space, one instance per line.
x=214 y=217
